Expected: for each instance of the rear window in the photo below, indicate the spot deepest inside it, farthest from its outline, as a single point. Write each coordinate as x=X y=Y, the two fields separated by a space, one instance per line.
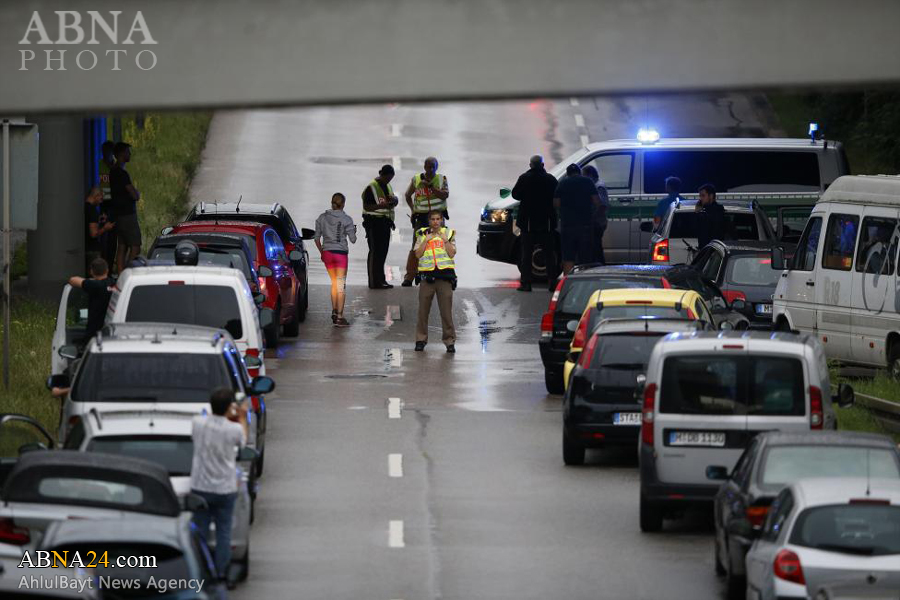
x=173 y=453
x=207 y=305
x=637 y=311
x=741 y=226
x=625 y=351
x=784 y=464
x=732 y=385
x=861 y=529
x=752 y=270
x=90 y=491
x=732 y=170
x=230 y=258
x=145 y=377
x=576 y=292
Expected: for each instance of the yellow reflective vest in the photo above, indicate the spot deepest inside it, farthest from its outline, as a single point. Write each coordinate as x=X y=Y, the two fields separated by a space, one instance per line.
x=381 y=200
x=435 y=256
x=424 y=199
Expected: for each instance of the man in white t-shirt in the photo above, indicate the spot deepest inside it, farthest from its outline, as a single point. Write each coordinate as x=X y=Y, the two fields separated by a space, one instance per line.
x=217 y=439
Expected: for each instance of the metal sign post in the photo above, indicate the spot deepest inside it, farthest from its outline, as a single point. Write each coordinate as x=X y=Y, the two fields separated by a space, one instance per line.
x=7 y=259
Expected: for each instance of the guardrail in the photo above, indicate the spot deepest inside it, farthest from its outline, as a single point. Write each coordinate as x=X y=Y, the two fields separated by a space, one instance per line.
x=887 y=412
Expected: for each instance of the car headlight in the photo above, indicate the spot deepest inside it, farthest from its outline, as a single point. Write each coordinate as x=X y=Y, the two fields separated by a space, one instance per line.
x=499 y=216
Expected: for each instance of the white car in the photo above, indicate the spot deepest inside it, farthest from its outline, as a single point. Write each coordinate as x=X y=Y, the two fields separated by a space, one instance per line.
x=707 y=394
x=164 y=437
x=828 y=539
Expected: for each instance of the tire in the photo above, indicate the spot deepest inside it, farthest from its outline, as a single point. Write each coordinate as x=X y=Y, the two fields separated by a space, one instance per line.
x=538 y=264
x=554 y=382
x=244 y=566
x=292 y=329
x=272 y=333
x=782 y=325
x=720 y=570
x=573 y=454
x=651 y=516
x=735 y=587
x=304 y=305
x=894 y=361
x=260 y=463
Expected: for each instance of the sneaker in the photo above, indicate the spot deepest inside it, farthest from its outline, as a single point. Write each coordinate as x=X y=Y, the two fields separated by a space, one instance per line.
x=407 y=283
x=524 y=287
x=334 y=316
x=341 y=322
x=420 y=346
x=451 y=349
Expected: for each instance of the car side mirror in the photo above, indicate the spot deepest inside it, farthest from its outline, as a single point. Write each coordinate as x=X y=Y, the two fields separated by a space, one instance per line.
x=295 y=255
x=58 y=381
x=193 y=502
x=266 y=317
x=247 y=454
x=738 y=305
x=778 y=261
x=261 y=385
x=845 y=396
x=264 y=271
x=742 y=528
x=647 y=226
x=571 y=326
x=166 y=230
x=259 y=299
x=505 y=192
x=716 y=473
x=252 y=362
x=726 y=326
x=68 y=351
x=307 y=234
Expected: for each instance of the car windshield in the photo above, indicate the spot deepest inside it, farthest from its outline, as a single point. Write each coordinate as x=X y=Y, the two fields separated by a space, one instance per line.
x=864 y=528
x=752 y=270
x=161 y=562
x=732 y=385
x=624 y=351
x=146 y=377
x=741 y=225
x=208 y=305
x=576 y=292
x=225 y=257
x=173 y=453
x=784 y=464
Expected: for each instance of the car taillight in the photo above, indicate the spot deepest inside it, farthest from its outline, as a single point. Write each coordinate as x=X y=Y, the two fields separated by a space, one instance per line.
x=732 y=295
x=816 y=414
x=787 y=567
x=581 y=333
x=665 y=283
x=647 y=414
x=660 y=251
x=547 y=319
x=757 y=515
x=11 y=534
x=585 y=359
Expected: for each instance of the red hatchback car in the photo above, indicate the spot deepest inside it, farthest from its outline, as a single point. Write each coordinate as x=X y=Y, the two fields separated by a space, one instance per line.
x=282 y=288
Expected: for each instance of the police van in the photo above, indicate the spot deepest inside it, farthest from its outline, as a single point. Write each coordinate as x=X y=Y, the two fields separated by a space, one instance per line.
x=776 y=173
x=841 y=284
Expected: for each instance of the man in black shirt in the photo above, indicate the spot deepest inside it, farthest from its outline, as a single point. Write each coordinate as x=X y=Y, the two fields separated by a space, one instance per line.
x=93 y=231
x=98 y=289
x=536 y=219
x=378 y=220
x=124 y=201
x=711 y=222
x=577 y=200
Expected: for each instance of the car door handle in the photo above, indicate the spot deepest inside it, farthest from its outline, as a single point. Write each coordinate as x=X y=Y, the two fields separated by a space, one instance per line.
x=625 y=200
x=811 y=283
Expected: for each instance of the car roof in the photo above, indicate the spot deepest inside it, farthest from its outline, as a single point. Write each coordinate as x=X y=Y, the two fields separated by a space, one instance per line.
x=823 y=491
x=738 y=246
x=589 y=271
x=826 y=438
x=247 y=227
x=783 y=338
x=89 y=531
x=136 y=330
x=612 y=326
x=658 y=296
x=149 y=344
x=253 y=208
x=140 y=423
x=864 y=189
x=728 y=205
x=169 y=272
x=712 y=143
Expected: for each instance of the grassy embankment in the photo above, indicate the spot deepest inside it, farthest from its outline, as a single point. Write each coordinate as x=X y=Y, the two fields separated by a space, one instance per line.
x=166 y=153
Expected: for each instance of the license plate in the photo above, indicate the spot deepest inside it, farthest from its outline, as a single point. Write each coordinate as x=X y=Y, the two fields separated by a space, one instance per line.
x=764 y=309
x=696 y=438
x=630 y=418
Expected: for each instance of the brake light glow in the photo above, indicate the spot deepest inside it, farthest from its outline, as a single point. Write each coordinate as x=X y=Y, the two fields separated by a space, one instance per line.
x=647 y=414
x=870 y=501
x=12 y=534
x=787 y=567
x=732 y=295
x=660 y=251
x=581 y=332
x=757 y=515
x=732 y=346
x=638 y=302
x=816 y=414
x=176 y=283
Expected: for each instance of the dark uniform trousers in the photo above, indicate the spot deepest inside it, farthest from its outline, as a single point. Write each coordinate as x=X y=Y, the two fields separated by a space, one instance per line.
x=378 y=236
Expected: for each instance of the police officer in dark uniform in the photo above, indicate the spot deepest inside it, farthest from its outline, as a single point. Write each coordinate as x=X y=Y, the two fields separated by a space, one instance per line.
x=378 y=220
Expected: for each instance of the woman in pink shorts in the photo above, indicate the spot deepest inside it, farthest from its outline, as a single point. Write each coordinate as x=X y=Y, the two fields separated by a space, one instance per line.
x=333 y=229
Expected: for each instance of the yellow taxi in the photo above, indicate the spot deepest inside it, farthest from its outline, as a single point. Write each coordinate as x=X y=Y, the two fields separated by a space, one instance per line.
x=633 y=303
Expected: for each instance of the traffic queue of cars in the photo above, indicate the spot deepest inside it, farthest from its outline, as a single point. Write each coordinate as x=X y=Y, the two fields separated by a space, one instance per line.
x=744 y=421
x=199 y=316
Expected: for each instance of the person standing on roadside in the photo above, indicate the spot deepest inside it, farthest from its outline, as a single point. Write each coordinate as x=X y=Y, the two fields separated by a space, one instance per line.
x=577 y=201
x=711 y=221
x=98 y=289
x=673 y=188
x=536 y=220
x=107 y=162
x=124 y=205
x=427 y=191
x=434 y=251
x=600 y=217
x=378 y=220
x=218 y=437
x=93 y=230
x=333 y=228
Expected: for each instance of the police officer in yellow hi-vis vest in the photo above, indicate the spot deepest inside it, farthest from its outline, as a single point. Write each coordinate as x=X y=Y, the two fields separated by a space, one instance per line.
x=378 y=220
x=426 y=192
x=435 y=247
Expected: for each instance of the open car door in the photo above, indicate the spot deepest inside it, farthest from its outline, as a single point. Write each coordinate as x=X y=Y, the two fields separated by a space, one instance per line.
x=18 y=434
x=71 y=324
x=791 y=221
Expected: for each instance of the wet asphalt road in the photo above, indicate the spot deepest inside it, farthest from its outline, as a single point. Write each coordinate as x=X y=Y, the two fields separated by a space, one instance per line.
x=478 y=503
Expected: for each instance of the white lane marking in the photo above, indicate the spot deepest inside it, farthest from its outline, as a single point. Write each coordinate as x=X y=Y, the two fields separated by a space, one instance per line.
x=394 y=406
x=573 y=101
x=395 y=534
x=357 y=407
x=579 y=121
x=395 y=465
x=395 y=162
x=585 y=140
x=395 y=129
x=394 y=356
